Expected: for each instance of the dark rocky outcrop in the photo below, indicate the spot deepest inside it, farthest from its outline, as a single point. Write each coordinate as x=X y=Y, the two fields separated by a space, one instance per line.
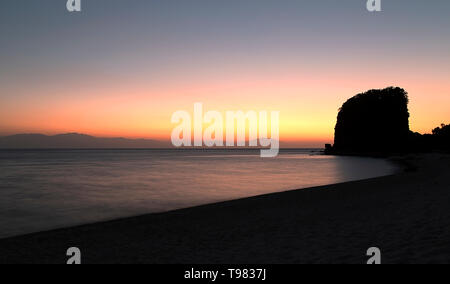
x=377 y=123
x=373 y=122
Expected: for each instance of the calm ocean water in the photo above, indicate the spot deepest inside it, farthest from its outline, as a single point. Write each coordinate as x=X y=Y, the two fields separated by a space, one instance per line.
x=42 y=190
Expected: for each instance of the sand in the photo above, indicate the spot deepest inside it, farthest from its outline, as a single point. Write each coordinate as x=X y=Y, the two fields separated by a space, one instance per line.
x=406 y=215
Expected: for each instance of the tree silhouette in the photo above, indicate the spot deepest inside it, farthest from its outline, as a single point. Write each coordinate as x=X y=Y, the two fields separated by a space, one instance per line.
x=441 y=138
x=443 y=131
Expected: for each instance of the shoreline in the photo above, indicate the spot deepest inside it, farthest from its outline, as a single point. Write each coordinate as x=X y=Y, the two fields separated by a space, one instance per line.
x=326 y=224
x=401 y=166
x=46 y=202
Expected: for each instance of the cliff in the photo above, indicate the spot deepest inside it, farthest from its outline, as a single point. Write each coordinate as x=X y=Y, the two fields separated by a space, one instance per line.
x=376 y=121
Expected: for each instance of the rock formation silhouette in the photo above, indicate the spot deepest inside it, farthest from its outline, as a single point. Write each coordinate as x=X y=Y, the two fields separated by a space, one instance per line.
x=377 y=123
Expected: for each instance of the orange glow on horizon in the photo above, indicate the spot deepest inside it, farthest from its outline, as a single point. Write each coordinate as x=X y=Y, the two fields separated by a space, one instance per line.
x=308 y=104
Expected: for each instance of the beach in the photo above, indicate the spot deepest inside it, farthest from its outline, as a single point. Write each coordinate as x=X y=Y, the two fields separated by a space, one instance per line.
x=405 y=215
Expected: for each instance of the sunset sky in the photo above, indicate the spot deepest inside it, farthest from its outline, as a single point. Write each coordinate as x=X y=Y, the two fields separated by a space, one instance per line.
x=123 y=67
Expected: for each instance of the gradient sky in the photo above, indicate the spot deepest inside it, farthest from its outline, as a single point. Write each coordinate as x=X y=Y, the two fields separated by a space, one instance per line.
x=122 y=67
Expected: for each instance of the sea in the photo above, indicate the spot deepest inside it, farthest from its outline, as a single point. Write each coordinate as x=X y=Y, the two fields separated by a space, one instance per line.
x=47 y=189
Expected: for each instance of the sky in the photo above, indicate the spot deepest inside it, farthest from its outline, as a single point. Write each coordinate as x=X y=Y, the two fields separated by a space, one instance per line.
x=123 y=67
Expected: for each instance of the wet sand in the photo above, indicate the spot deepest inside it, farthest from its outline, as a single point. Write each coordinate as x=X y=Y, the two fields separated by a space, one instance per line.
x=406 y=215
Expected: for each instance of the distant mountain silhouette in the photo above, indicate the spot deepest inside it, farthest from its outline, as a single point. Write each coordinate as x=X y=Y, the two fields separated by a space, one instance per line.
x=377 y=122
x=74 y=141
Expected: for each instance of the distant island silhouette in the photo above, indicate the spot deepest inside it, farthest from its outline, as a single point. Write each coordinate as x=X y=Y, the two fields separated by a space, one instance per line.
x=75 y=141
x=377 y=123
